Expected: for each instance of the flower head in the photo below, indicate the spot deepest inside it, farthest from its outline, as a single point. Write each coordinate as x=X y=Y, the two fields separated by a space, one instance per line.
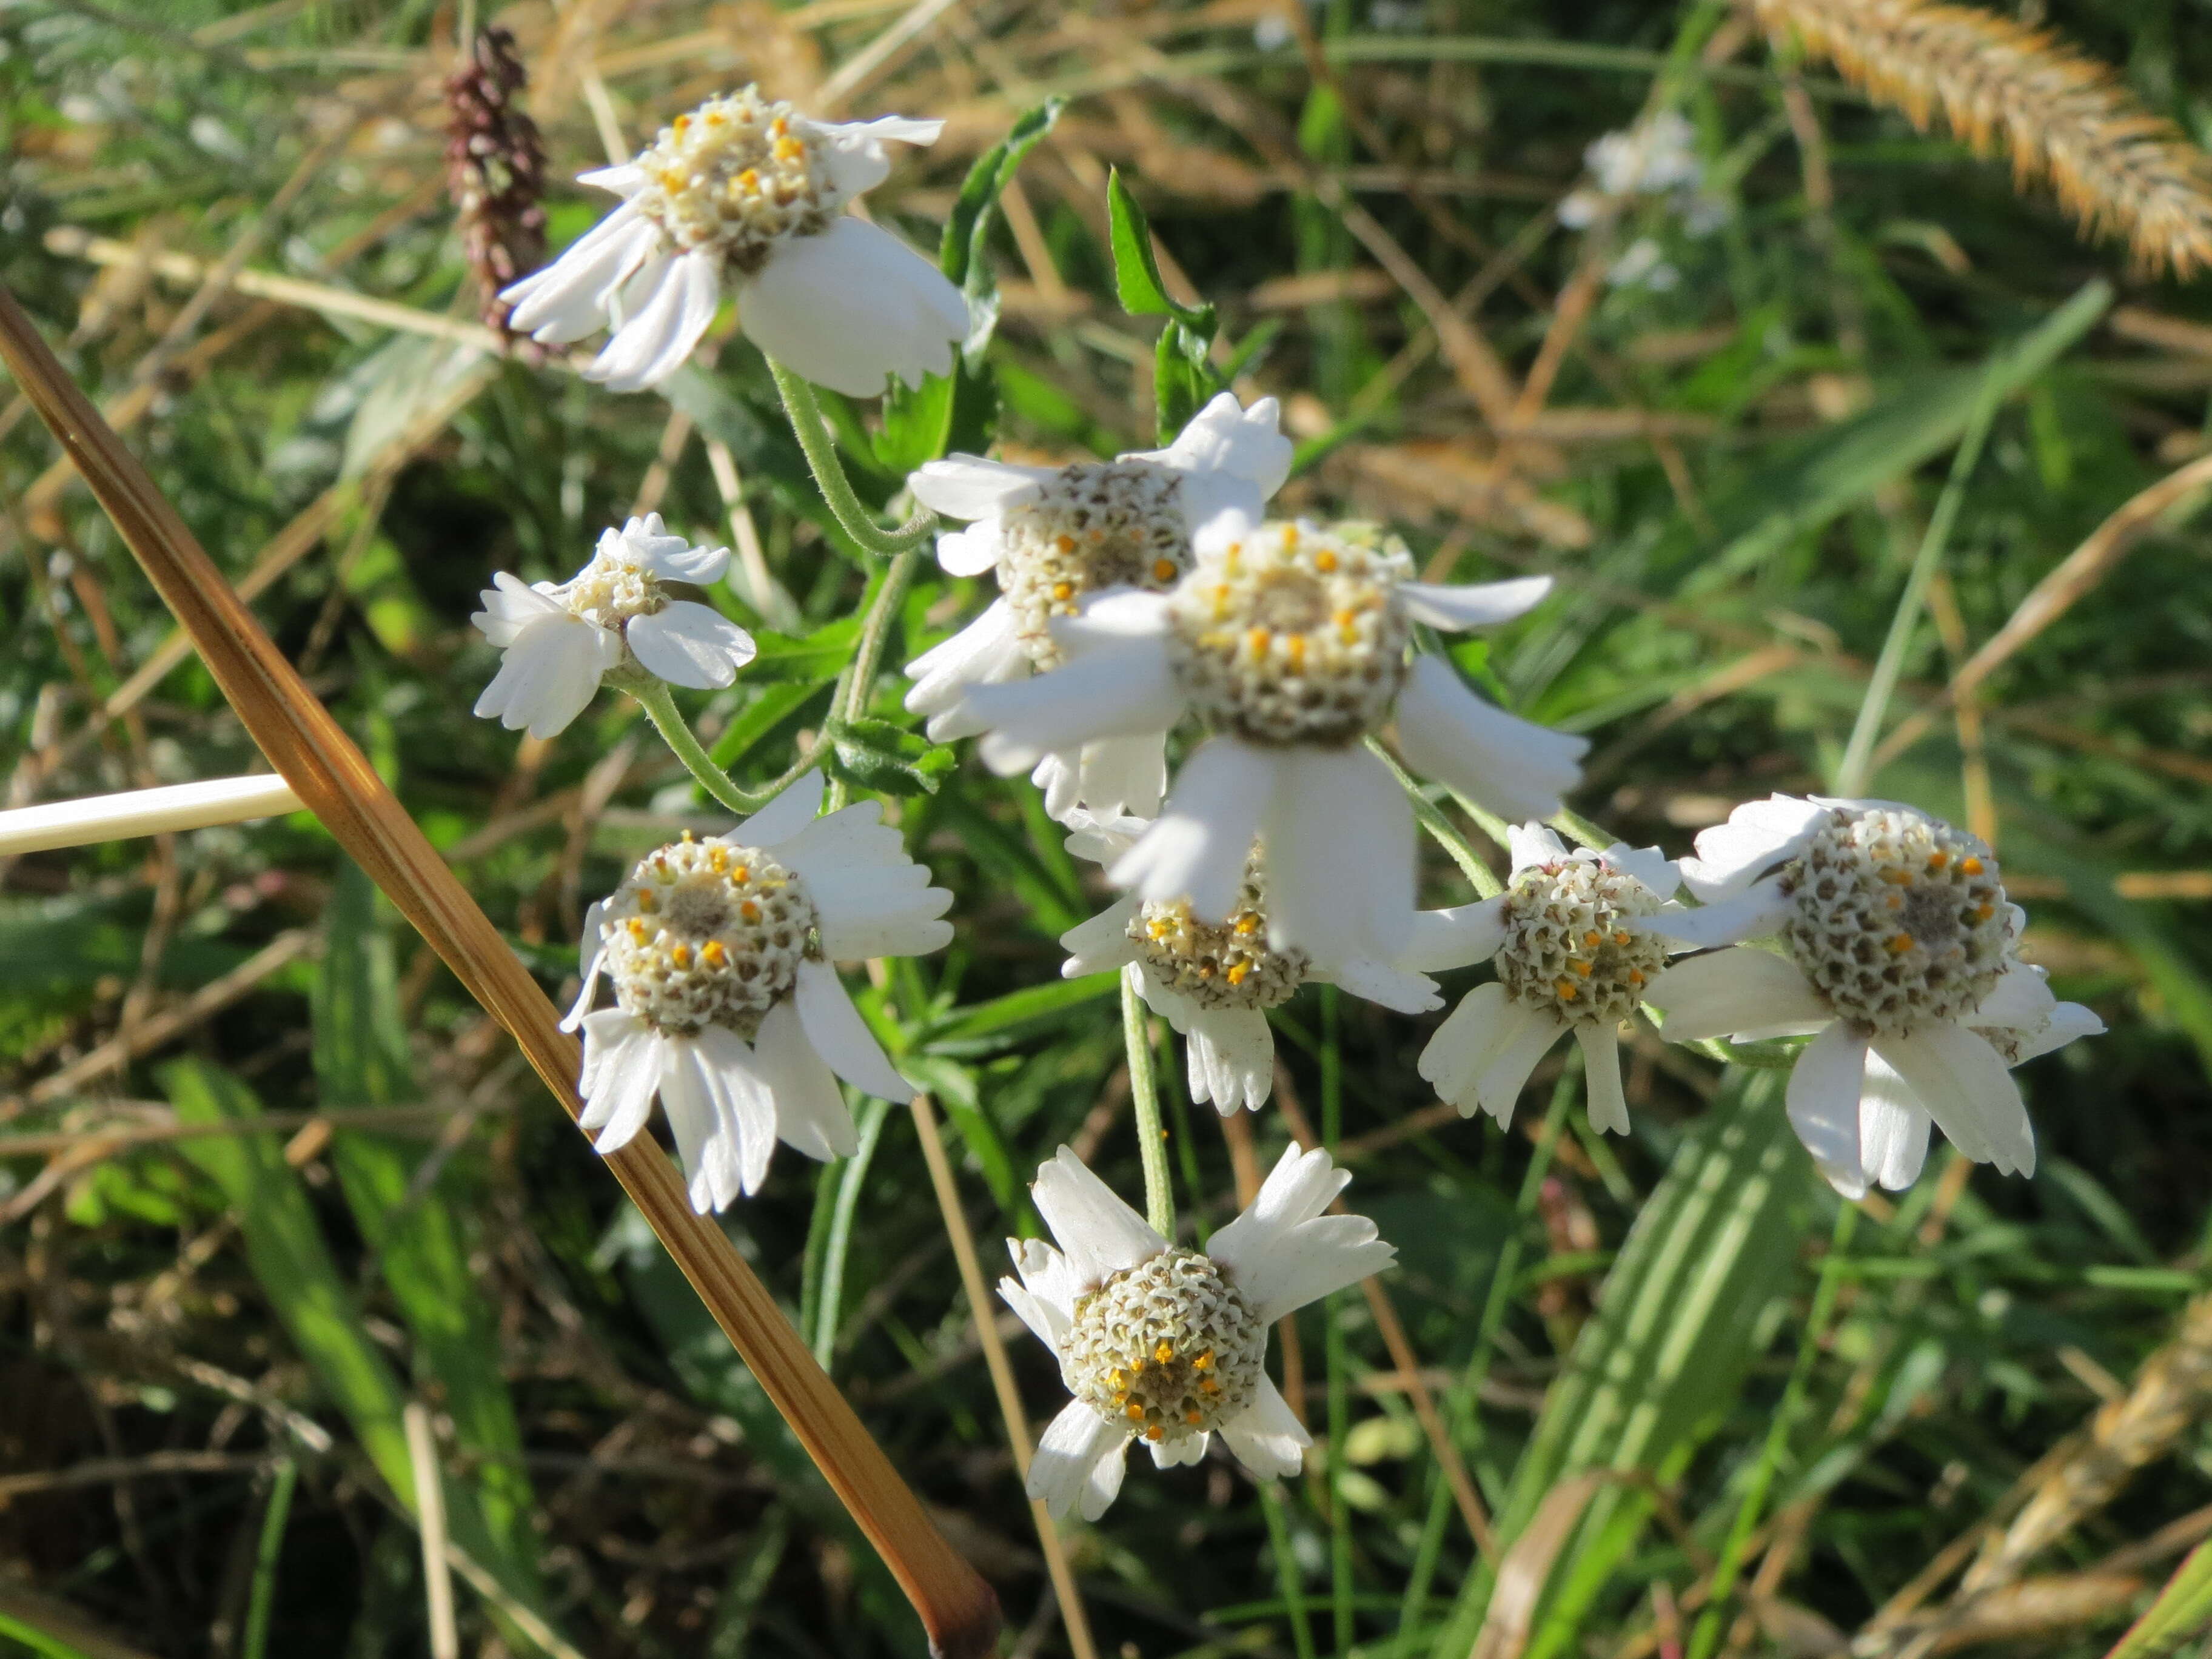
x=1568 y=960
x=1167 y=1344
x=1055 y=537
x=1214 y=981
x=1290 y=641
x=557 y=643
x=727 y=1006
x=746 y=193
x=1899 y=950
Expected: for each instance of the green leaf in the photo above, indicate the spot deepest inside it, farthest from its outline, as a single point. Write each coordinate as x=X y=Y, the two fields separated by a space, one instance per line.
x=2179 y=1617
x=770 y=709
x=360 y=1059
x=813 y=657
x=1137 y=268
x=962 y=254
x=873 y=754
x=1183 y=380
x=1019 y=1013
x=1656 y=1367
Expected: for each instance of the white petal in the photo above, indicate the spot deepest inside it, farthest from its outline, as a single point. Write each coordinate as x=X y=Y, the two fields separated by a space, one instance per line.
x=852 y=838
x=896 y=924
x=2067 y=1022
x=1647 y=865
x=1102 y=837
x=1266 y=1436
x=1532 y=844
x=811 y=1114
x=1126 y=691
x=1441 y=939
x=972 y=487
x=1105 y=1482
x=783 y=818
x=1606 y=1102
x=841 y=1037
x=854 y=149
x=1510 y=766
x=852 y=307
x=690 y=644
x=649 y=347
x=1340 y=852
x=510 y=605
x=1101 y=1235
x=2021 y=997
x=1049 y=1276
x=1755 y=911
x=1966 y=1087
x=1461 y=1046
x=1893 y=1127
x=1247 y=445
x=1481 y=604
x=1197 y=848
x=674 y=559
x=1380 y=983
x=623 y=178
x=690 y=1110
x=1101 y=944
x=1071 y=1449
x=547 y=677
x=745 y=1105
x=625 y=1080
x=985 y=652
x=1236 y=1050
x=1118 y=776
x=1738 y=992
x=1497 y=1087
x=1824 y=1103
x=1758 y=834
x=1283 y=1252
x=971 y=551
x=566 y=299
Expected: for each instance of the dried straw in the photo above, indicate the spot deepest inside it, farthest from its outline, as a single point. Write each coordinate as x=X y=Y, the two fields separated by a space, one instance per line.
x=312 y=753
x=2061 y=115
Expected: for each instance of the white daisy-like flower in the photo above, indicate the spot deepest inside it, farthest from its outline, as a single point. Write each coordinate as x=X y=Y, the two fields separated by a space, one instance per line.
x=1167 y=1345
x=745 y=195
x=728 y=1008
x=1567 y=962
x=1898 y=952
x=1057 y=535
x=1290 y=641
x=1214 y=981
x=558 y=642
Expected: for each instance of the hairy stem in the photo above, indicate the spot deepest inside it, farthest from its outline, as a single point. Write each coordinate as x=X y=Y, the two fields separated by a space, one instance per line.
x=683 y=743
x=806 y=425
x=1144 y=1096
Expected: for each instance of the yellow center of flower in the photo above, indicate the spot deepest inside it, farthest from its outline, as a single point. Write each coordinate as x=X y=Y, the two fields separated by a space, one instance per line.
x=1094 y=524
x=1168 y=1348
x=736 y=175
x=706 y=932
x=1565 y=950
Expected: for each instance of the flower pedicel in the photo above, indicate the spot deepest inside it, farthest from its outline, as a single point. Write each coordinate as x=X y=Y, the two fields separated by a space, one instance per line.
x=558 y=641
x=1056 y=536
x=1167 y=1344
x=745 y=194
x=728 y=1008
x=1900 y=953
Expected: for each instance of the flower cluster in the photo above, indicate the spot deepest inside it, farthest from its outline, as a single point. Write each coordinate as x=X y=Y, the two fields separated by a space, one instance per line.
x=1208 y=700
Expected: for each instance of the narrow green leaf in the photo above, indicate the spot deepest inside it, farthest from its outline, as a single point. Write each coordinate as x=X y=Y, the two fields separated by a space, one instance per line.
x=1002 y=1018
x=2179 y=1617
x=1136 y=268
x=360 y=1059
x=773 y=706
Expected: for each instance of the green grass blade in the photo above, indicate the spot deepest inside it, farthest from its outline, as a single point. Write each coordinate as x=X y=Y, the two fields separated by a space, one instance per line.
x=1657 y=1367
x=360 y=1059
x=2179 y=1616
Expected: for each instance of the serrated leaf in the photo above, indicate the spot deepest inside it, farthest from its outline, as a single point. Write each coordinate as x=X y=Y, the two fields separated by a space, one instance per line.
x=873 y=754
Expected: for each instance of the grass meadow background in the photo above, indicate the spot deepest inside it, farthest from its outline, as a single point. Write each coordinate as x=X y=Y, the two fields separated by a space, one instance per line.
x=267 y=1174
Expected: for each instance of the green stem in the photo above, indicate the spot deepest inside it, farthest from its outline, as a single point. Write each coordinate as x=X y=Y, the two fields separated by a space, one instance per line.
x=1286 y=1567
x=1145 y=1097
x=264 y=1561
x=1440 y=828
x=1576 y=828
x=1707 y=1635
x=806 y=425
x=851 y=1178
x=1858 y=755
x=1338 y=1363
x=858 y=682
x=683 y=743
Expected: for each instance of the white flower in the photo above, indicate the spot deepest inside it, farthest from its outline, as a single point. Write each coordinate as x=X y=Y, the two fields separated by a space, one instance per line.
x=557 y=643
x=1566 y=962
x=1898 y=952
x=1055 y=535
x=1169 y=1345
x=1290 y=642
x=728 y=1006
x=748 y=195
x=1214 y=981
x=1657 y=157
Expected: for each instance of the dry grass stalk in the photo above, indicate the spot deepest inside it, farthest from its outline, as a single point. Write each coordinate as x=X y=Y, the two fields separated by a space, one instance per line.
x=2060 y=115
x=306 y=743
